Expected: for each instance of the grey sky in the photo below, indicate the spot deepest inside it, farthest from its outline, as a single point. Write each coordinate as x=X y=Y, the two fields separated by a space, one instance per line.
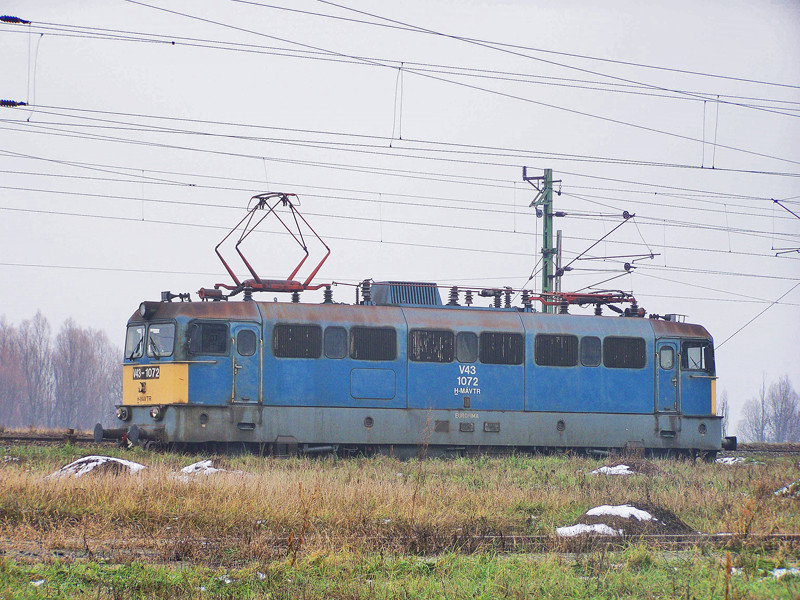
x=444 y=203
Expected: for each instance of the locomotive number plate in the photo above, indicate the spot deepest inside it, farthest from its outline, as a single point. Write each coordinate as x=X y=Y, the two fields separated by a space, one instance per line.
x=146 y=372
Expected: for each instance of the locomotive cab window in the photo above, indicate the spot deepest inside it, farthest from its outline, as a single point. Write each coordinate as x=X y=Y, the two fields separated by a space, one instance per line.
x=697 y=356
x=624 y=353
x=246 y=342
x=502 y=348
x=297 y=341
x=134 y=342
x=335 y=342
x=160 y=339
x=431 y=345
x=556 y=350
x=208 y=338
x=466 y=347
x=591 y=351
x=373 y=343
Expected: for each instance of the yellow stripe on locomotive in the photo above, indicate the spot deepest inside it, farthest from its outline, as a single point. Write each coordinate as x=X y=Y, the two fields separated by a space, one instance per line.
x=165 y=383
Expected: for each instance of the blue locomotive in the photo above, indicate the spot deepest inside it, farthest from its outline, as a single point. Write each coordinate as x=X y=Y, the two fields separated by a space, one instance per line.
x=399 y=371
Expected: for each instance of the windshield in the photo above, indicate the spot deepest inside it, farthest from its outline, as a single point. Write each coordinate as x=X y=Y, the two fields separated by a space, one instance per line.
x=134 y=342
x=697 y=356
x=160 y=339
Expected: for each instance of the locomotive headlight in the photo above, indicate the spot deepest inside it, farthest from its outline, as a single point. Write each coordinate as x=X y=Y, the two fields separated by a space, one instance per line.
x=157 y=413
x=123 y=414
x=148 y=309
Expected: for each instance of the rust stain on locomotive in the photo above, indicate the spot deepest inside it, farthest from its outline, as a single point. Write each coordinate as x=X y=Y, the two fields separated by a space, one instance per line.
x=677 y=329
x=241 y=311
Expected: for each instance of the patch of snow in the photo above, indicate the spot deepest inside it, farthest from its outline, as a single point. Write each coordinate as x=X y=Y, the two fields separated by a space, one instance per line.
x=87 y=464
x=201 y=468
x=37 y=583
x=793 y=489
x=617 y=470
x=624 y=511
x=730 y=460
x=781 y=573
x=580 y=528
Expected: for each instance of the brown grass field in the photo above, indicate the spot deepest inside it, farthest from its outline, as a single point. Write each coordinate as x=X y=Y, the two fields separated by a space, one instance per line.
x=294 y=511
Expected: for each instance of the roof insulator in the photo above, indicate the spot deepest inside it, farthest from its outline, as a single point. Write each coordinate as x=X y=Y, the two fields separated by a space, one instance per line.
x=12 y=103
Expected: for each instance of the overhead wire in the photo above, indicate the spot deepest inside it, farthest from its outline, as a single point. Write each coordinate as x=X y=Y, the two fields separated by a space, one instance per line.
x=404 y=222
x=86 y=32
x=471 y=86
x=515 y=52
x=781 y=297
x=382 y=143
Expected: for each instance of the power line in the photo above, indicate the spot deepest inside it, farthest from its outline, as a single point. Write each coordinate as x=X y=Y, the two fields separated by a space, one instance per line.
x=758 y=315
x=85 y=32
x=411 y=28
x=349 y=239
x=221 y=228
x=505 y=49
x=438 y=147
x=670 y=223
x=392 y=151
x=487 y=209
x=493 y=208
x=470 y=86
x=690 y=193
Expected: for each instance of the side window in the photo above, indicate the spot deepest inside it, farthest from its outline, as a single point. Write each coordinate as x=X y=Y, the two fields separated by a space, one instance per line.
x=466 y=347
x=373 y=343
x=160 y=339
x=134 y=342
x=246 y=342
x=502 y=348
x=624 y=353
x=430 y=345
x=666 y=357
x=591 y=351
x=556 y=350
x=208 y=338
x=335 y=342
x=297 y=341
x=697 y=356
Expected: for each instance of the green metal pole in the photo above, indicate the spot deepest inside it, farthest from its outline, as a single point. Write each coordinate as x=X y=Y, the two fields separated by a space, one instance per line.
x=547 y=242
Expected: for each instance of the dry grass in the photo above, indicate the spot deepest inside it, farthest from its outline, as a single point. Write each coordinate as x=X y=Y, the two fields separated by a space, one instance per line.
x=282 y=508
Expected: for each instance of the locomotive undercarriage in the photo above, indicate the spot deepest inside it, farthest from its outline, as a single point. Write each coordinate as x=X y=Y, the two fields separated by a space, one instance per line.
x=409 y=432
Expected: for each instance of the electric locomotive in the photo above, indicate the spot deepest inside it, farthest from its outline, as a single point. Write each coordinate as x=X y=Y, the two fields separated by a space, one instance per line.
x=399 y=371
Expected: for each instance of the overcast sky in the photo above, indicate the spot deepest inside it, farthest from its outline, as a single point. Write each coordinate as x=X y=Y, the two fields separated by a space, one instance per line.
x=404 y=132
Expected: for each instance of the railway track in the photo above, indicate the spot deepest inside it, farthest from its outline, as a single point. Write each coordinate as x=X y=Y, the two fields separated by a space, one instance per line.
x=200 y=550
x=71 y=436
x=51 y=437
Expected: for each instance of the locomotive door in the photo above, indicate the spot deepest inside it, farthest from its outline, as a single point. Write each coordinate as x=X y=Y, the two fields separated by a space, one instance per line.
x=246 y=363
x=667 y=386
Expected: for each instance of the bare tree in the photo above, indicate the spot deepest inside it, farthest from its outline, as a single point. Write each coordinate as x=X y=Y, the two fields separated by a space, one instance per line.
x=724 y=412
x=11 y=380
x=35 y=361
x=87 y=375
x=784 y=410
x=755 y=421
x=774 y=416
